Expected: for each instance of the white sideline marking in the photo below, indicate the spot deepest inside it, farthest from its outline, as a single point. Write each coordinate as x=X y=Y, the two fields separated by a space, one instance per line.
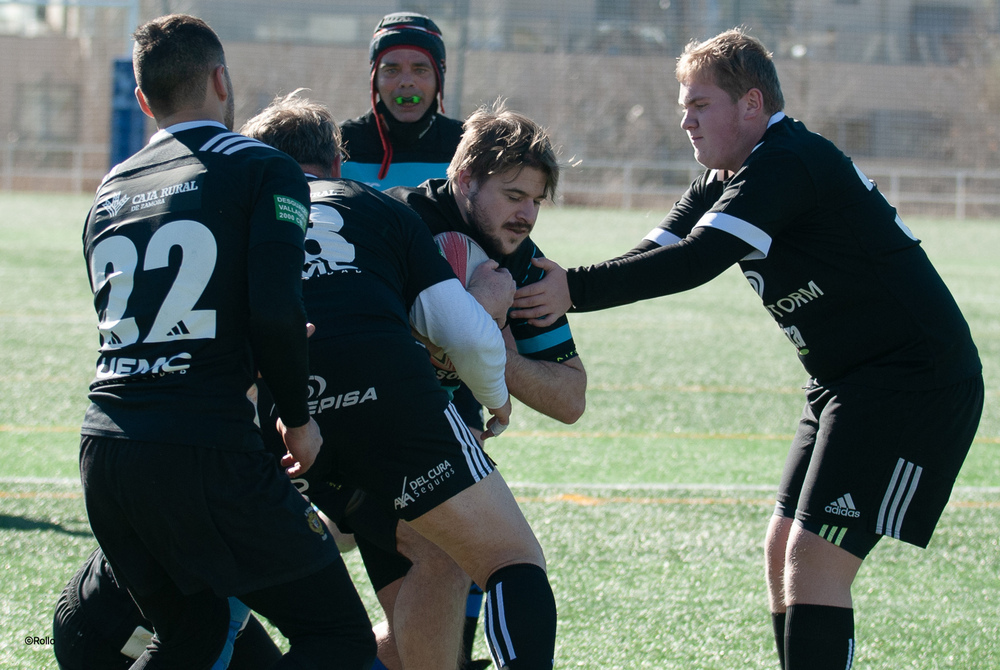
x=570 y=487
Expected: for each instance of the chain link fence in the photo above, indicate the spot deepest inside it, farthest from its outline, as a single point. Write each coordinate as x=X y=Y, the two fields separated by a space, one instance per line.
x=910 y=89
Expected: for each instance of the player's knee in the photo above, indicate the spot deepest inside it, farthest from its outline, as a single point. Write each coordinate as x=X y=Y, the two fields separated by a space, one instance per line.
x=427 y=557
x=449 y=575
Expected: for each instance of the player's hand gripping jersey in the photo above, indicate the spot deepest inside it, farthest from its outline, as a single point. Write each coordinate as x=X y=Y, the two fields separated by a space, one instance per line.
x=844 y=278
x=172 y=254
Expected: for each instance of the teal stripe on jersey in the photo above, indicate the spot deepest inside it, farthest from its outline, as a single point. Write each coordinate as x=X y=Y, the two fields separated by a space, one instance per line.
x=400 y=174
x=544 y=341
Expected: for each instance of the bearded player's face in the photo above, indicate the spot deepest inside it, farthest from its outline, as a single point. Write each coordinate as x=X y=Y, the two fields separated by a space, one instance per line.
x=503 y=208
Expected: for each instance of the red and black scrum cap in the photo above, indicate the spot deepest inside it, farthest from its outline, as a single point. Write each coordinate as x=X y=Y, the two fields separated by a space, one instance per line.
x=404 y=30
x=408 y=30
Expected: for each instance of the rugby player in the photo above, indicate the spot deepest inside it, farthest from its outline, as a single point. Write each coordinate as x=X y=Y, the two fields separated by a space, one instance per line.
x=405 y=138
x=194 y=250
x=895 y=391
x=373 y=271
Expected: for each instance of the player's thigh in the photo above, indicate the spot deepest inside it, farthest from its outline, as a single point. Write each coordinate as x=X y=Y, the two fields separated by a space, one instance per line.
x=800 y=452
x=883 y=462
x=482 y=529
x=323 y=604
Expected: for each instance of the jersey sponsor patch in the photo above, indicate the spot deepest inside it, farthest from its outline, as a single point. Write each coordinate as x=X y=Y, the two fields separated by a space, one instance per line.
x=152 y=195
x=291 y=210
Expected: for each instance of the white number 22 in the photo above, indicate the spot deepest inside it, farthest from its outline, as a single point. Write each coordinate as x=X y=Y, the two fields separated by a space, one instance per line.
x=113 y=264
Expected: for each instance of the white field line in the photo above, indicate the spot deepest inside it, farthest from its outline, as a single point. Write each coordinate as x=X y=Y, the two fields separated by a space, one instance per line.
x=556 y=488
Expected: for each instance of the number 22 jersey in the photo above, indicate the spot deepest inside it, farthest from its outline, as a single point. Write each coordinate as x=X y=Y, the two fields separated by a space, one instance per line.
x=168 y=245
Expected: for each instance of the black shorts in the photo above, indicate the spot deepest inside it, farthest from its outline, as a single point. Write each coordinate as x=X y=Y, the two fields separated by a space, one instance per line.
x=394 y=432
x=230 y=522
x=82 y=644
x=867 y=462
x=373 y=526
x=376 y=538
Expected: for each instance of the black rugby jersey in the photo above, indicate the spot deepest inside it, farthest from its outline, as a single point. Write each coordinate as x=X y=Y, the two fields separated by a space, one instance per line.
x=435 y=203
x=843 y=277
x=367 y=260
x=420 y=151
x=168 y=244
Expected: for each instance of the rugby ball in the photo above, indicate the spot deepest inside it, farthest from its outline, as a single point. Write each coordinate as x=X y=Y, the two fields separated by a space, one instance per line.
x=462 y=254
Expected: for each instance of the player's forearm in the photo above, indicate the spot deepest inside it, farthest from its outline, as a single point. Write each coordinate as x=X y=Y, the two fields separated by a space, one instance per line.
x=451 y=319
x=278 y=328
x=557 y=390
x=657 y=271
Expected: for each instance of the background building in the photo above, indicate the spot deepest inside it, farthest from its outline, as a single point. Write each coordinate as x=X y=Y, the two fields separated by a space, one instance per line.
x=910 y=89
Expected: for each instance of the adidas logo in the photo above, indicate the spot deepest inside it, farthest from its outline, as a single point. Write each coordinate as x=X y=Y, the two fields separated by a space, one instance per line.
x=843 y=506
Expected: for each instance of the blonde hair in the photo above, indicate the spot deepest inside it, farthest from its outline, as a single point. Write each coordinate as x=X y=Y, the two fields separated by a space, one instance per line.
x=736 y=63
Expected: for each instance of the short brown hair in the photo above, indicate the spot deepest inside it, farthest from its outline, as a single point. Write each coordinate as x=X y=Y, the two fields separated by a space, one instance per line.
x=172 y=57
x=496 y=140
x=736 y=63
x=302 y=128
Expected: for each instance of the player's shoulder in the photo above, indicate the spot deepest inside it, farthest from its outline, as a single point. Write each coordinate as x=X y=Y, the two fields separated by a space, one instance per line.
x=790 y=153
x=790 y=136
x=451 y=127
x=421 y=196
x=242 y=148
x=361 y=201
x=352 y=128
x=230 y=156
x=433 y=202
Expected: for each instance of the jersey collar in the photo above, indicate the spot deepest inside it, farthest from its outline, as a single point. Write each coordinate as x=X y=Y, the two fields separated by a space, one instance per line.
x=186 y=125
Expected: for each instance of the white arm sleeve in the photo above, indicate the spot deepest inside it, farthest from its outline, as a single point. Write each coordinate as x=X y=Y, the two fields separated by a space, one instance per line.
x=448 y=316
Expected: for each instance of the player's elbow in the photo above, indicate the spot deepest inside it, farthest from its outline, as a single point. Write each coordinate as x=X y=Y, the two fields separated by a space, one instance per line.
x=573 y=409
x=574 y=393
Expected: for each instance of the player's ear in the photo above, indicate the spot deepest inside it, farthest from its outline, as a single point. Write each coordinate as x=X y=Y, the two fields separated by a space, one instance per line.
x=335 y=168
x=219 y=82
x=464 y=181
x=753 y=101
x=143 y=104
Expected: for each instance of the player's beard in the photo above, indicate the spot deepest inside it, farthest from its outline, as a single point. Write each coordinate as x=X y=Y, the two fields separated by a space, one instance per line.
x=478 y=221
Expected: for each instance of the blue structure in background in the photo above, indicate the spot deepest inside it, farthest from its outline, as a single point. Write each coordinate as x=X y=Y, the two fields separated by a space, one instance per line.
x=128 y=123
